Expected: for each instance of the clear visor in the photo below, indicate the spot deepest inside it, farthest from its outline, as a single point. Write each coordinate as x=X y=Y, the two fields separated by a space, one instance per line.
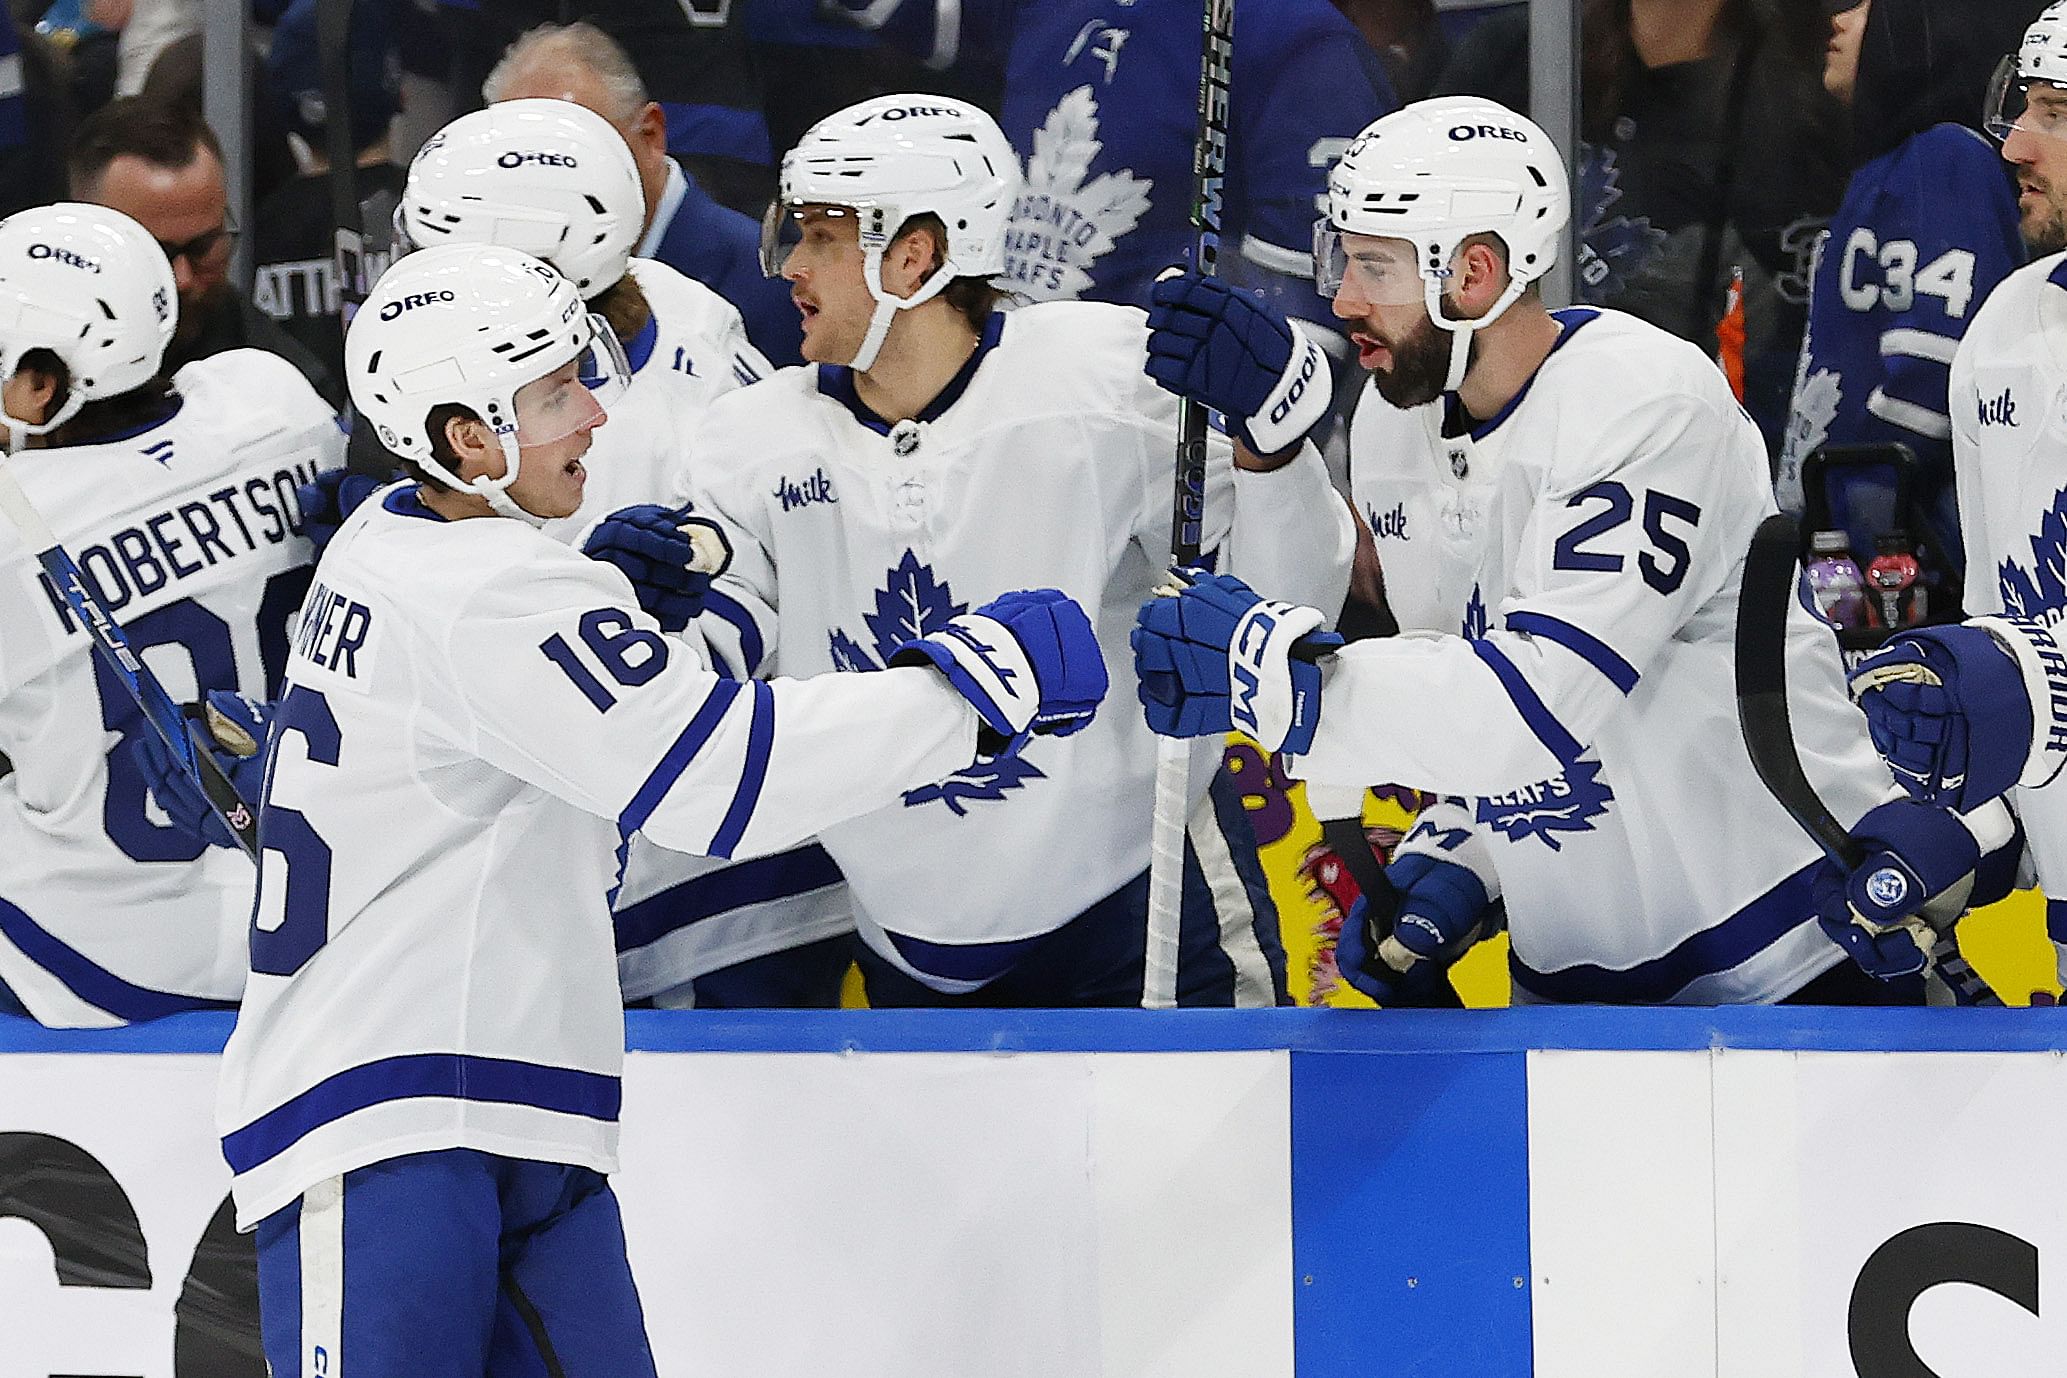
x=782 y=229
x=1383 y=272
x=577 y=394
x=2017 y=102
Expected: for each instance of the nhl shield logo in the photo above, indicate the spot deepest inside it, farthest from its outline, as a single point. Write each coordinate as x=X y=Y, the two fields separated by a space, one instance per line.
x=1460 y=462
x=904 y=438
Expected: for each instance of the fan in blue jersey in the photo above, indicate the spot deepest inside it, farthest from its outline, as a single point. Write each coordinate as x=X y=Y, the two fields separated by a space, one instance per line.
x=1928 y=227
x=1561 y=502
x=1101 y=102
x=175 y=495
x=937 y=451
x=420 y=1099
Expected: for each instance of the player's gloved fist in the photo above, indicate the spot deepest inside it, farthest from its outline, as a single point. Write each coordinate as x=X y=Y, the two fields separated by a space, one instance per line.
x=1240 y=356
x=669 y=556
x=1216 y=658
x=325 y=504
x=238 y=727
x=1029 y=662
x=1922 y=693
x=1441 y=909
x=1915 y=881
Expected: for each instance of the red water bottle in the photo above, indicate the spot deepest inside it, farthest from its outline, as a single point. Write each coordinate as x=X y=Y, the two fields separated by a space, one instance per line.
x=1894 y=579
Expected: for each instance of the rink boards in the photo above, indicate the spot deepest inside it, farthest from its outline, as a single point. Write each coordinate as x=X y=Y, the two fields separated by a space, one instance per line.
x=1250 y=1194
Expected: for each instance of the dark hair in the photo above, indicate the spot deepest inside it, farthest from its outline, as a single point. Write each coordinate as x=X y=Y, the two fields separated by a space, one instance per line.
x=974 y=297
x=142 y=405
x=623 y=304
x=165 y=135
x=441 y=448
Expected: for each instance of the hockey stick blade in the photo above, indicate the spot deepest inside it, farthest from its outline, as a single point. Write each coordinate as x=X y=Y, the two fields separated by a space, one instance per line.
x=1772 y=573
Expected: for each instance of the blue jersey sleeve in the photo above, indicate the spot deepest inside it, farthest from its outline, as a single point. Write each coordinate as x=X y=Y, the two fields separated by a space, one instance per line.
x=940 y=32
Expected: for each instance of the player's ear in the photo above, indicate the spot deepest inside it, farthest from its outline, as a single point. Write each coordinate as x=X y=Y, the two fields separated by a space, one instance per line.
x=1482 y=275
x=912 y=257
x=474 y=449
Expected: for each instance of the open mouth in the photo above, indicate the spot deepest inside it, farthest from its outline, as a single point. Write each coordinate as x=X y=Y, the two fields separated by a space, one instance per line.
x=576 y=472
x=805 y=309
x=1370 y=351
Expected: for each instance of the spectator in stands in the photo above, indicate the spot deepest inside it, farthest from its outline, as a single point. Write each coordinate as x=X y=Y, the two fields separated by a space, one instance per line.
x=1928 y=226
x=36 y=118
x=1408 y=37
x=692 y=54
x=1709 y=147
x=161 y=166
x=294 y=281
x=685 y=228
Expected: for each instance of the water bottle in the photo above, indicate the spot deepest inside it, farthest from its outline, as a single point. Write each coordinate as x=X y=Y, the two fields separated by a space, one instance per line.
x=1837 y=584
x=1895 y=580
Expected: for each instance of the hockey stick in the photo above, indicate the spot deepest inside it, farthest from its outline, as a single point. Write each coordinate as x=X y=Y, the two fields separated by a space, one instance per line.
x=181 y=737
x=1187 y=515
x=1772 y=573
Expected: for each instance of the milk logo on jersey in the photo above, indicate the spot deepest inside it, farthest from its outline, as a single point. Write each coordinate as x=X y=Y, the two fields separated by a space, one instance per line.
x=1389 y=526
x=2039 y=593
x=912 y=604
x=1548 y=811
x=1066 y=220
x=813 y=488
x=1612 y=249
x=2000 y=410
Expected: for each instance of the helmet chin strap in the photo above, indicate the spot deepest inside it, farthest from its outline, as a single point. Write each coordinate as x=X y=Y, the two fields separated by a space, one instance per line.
x=887 y=306
x=1461 y=330
x=493 y=491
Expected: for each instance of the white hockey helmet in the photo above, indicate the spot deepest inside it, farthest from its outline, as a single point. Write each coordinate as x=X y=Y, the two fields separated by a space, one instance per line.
x=546 y=176
x=91 y=286
x=1435 y=173
x=2041 y=59
x=887 y=160
x=470 y=325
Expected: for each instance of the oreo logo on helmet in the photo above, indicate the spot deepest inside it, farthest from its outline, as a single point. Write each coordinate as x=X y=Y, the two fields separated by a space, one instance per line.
x=908 y=112
x=1464 y=133
x=64 y=256
x=414 y=300
x=519 y=157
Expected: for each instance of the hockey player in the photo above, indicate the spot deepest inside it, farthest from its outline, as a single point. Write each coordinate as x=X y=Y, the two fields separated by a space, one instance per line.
x=420 y=1098
x=1927 y=228
x=939 y=451
x=1561 y=501
x=554 y=179
x=175 y=495
x=1978 y=711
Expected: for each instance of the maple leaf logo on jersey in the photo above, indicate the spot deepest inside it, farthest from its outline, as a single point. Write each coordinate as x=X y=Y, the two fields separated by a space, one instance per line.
x=912 y=604
x=1475 y=623
x=1568 y=804
x=1062 y=224
x=1611 y=250
x=2040 y=593
x=1816 y=400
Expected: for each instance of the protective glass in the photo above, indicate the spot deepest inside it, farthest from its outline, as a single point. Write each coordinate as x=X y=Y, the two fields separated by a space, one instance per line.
x=2018 y=102
x=1383 y=272
x=575 y=394
x=782 y=229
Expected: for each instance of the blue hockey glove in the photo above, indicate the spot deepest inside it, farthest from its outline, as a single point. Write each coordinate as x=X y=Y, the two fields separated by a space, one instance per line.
x=1922 y=693
x=1029 y=662
x=1239 y=355
x=669 y=556
x=1442 y=909
x=1915 y=881
x=1217 y=657
x=326 y=503
x=238 y=725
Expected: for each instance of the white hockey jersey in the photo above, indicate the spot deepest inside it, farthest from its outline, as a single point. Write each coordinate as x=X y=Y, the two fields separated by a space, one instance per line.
x=2009 y=453
x=1046 y=462
x=1566 y=578
x=189 y=534
x=476 y=718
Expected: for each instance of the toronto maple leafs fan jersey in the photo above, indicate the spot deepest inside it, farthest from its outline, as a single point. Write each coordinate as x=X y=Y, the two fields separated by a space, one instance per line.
x=188 y=533
x=1565 y=575
x=1101 y=100
x=2009 y=440
x=476 y=717
x=680 y=916
x=1923 y=236
x=1046 y=462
